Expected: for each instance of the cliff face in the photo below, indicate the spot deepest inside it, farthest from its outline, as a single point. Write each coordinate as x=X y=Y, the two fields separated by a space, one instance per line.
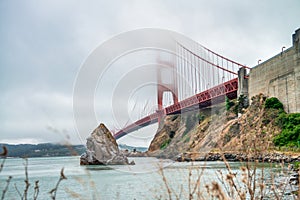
x=255 y=129
x=216 y=129
x=168 y=141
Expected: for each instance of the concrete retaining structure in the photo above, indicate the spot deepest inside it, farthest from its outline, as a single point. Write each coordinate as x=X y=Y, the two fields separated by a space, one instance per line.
x=279 y=77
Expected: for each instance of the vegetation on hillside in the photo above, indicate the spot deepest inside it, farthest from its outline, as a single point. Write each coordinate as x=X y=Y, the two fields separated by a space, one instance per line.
x=273 y=102
x=290 y=133
x=228 y=103
x=264 y=120
x=289 y=124
x=165 y=144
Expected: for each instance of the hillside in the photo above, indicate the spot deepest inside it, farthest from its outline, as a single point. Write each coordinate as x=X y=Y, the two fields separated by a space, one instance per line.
x=43 y=150
x=220 y=129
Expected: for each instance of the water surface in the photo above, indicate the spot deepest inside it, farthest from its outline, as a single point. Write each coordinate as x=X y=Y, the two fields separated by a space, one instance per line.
x=141 y=181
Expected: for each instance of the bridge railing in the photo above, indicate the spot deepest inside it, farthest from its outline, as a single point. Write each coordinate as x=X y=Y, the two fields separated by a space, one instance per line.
x=227 y=88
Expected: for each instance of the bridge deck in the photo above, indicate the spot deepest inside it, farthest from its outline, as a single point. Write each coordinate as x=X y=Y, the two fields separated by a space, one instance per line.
x=203 y=99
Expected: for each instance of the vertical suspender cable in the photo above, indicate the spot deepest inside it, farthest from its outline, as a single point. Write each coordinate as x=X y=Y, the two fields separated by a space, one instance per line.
x=195 y=70
x=191 y=73
x=185 y=74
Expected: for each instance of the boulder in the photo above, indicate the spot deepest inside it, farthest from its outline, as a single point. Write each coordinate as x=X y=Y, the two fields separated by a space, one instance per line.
x=102 y=149
x=294 y=178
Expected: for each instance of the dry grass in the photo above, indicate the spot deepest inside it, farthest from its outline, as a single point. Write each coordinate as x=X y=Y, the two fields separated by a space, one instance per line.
x=27 y=184
x=249 y=182
x=54 y=190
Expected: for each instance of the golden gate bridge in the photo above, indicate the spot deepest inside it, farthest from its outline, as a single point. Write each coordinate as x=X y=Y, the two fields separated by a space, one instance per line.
x=199 y=78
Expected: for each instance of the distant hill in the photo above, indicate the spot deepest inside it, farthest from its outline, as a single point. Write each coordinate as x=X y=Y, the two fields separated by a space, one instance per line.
x=130 y=148
x=43 y=150
x=51 y=150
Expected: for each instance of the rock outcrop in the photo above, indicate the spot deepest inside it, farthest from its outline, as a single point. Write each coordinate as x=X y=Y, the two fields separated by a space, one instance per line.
x=102 y=149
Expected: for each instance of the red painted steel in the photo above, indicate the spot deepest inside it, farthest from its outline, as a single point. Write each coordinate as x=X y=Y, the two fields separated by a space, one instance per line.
x=163 y=87
x=203 y=99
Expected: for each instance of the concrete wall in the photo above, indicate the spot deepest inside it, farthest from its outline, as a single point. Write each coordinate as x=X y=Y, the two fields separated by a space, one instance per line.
x=279 y=77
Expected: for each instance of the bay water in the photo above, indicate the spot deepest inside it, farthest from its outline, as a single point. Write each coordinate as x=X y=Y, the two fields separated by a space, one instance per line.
x=149 y=178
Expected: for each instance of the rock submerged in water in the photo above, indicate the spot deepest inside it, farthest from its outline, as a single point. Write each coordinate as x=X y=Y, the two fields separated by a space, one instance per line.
x=102 y=149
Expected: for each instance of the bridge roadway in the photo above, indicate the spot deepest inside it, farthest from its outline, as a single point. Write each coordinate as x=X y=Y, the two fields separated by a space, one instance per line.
x=203 y=99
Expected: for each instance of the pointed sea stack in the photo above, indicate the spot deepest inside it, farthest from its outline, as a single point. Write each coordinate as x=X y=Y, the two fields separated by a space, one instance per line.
x=102 y=149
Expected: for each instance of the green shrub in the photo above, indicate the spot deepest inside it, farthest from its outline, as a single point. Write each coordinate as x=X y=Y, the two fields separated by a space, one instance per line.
x=288 y=137
x=296 y=165
x=290 y=134
x=273 y=102
x=200 y=117
x=288 y=121
x=228 y=103
x=165 y=144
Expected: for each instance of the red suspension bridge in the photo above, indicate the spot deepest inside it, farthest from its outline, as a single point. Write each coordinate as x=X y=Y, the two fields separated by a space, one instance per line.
x=199 y=78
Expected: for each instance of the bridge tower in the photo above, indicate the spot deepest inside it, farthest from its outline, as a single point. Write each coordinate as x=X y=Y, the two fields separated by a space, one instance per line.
x=163 y=87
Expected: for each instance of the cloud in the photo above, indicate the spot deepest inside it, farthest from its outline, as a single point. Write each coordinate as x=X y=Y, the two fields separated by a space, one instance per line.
x=43 y=45
x=27 y=113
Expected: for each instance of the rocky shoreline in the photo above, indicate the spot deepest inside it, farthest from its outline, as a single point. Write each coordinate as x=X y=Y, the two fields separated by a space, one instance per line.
x=242 y=157
x=134 y=153
x=238 y=157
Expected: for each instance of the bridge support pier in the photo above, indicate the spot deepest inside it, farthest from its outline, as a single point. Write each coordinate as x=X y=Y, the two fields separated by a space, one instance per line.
x=243 y=87
x=243 y=82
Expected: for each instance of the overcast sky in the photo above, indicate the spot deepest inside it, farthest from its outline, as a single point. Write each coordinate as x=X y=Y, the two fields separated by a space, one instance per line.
x=44 y=44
